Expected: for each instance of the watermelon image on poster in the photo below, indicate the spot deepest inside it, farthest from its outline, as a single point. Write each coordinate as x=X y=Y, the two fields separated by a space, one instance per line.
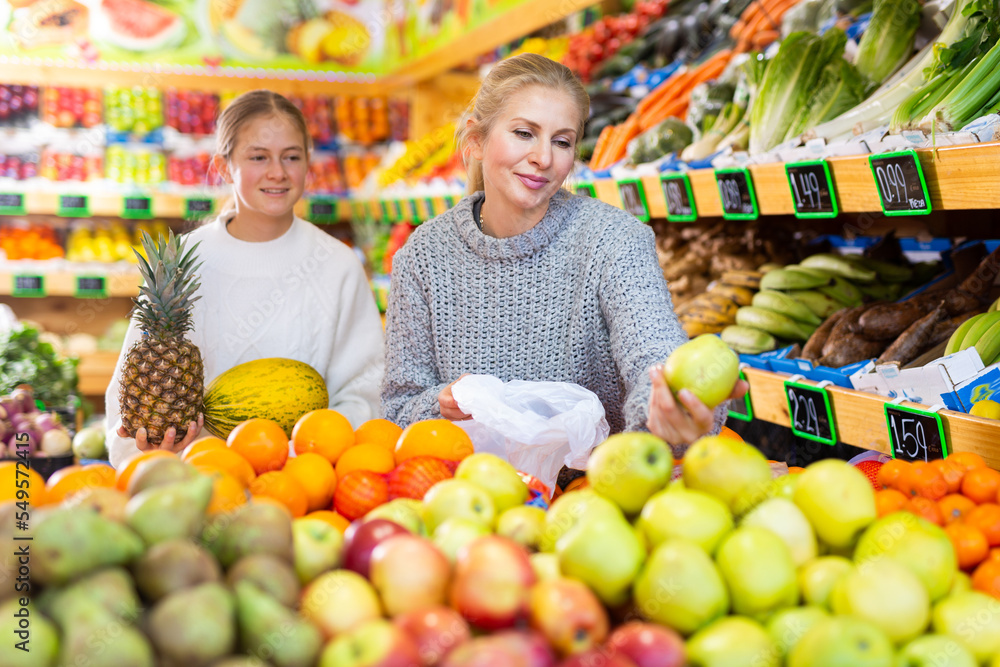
x=137 y=25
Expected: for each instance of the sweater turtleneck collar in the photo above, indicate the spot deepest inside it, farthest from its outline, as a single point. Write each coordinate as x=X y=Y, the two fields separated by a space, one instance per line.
x=523 y=245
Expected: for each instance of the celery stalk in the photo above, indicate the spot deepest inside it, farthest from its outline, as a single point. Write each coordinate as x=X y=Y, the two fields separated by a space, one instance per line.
x=960 y=106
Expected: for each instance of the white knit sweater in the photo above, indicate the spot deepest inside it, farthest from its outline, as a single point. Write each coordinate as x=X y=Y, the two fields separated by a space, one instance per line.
x=578 y=298
x=302 y=296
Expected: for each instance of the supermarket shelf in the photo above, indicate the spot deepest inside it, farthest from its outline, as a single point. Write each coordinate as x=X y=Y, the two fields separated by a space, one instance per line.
x=860 y=417
x=95 y=371
x=66 y=283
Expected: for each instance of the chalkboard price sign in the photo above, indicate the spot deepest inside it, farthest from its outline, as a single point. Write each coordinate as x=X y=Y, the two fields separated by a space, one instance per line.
x=12 y=203
x=810 y=413
x=137 y=207
x=739 y=202
x=900 y=182
x=741 y=409
x=90 y=287
x=322 y=210
x=679 y=198
x=28 y=286
x=633 y=196
x=914 y=434
x=69 y=206
x=813 y=195
x=586 y=190
x=198 y=207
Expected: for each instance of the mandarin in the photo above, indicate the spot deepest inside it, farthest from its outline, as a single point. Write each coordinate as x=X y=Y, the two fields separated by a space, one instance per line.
x=378 y=431
x=368 y=456
x=888 y=501
x=952 y=472
x=981 y=485
x=970 y=544
x=926 y=509
x=924 y=480
x=967 y=460
x=262 y=442
x=227 y=493
x=986 y=578
x=65 y=482
x=316 y=477
x=227 y=461
x=202 y=445
x=986 y=517
x=433 y=437
x=325 y=432
x=280 y=486
x=891 y=472
x=954 y=507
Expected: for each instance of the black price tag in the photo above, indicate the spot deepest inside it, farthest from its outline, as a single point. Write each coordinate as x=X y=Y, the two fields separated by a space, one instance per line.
x=679 y=198
x=322 y=210
x=28 y=286
x=198 y=207
x=12 y=203
x=70 y=206
x=741 y=409
x=633 y=196
x=914 y=434
x=90 y=287
x=137 y=207
x=813 y=195
x=586 y=190
x=900 y=182
x=739 y=202
x=810 y=413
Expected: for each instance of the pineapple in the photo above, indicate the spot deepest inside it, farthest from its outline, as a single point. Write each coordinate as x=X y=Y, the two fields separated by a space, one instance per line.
x=163 y=377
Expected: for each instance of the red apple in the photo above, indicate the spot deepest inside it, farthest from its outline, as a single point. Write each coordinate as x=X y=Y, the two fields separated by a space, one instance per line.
x=568 y=614
x=409 y=573
x=361 y=538
x=648 y=645
x=597 y=657
x=511 y=648
x=415 y=476
x=377 y=643
x=492 y=583
x=436 y=630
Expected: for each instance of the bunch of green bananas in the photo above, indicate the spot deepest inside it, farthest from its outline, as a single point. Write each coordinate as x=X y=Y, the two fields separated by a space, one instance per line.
x=980 y=331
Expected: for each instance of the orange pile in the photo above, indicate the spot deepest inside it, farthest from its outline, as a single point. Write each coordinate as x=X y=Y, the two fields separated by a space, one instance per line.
x=959 y=493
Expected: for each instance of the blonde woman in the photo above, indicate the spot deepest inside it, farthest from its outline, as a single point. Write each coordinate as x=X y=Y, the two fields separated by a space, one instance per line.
x=525 y=281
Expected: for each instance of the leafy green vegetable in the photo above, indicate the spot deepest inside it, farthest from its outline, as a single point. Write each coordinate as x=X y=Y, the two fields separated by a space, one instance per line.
x=664 y=138
x=840 y=88
x=964 y=102
x=26 y=360
x=888 y=40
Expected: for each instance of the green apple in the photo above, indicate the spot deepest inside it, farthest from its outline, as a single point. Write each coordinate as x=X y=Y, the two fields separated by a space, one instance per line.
x=406 y=512
x=495 y=476
x=784 y=486
x=734 y=472
x=973 y=619
x=604 y=553
x=916 y=543
x=961 y=583
x=758 y=570
x=935 y=651
x=455 y=533
x=705 y=366
x=842 y=641
x=733 y=641
x=318 y=547
x=687 y=514
x=545 y=565
x=377 y=642
x=628 y=468
x=458 y=498
x=680 y=587
x=783 y=518
x=788 y=626
x=570 y=508
x=524 y=524
x=837 y=499
x=818 y=577
x=338 y=600
x=887 y=595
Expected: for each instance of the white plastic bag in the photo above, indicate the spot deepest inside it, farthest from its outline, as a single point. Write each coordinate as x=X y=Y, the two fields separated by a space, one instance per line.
x=537 y=426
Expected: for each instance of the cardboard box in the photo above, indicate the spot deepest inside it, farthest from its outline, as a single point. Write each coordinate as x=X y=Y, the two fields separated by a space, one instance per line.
x=985 y=386
x=930 y=384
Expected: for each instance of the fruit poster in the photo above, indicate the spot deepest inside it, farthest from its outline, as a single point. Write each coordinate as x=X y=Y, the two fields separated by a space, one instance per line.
x=432 y=24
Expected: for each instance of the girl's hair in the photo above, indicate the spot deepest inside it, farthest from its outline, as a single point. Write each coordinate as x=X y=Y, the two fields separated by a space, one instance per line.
x=507 y=78
x=250 y=106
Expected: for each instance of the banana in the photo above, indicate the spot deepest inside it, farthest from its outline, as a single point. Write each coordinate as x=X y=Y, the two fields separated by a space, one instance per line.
x=747 y=340
x=843 y=291
x=819 y=303
x=749 y=279
x=707 y=316
x=781 y=303
x=955 y=342
x=773 y=323
x=887 y=271
x=882 y=291
x=785 y=279
x=995 y=306
x=978 y=329
x=717 y=302
x=770 y=266
x=841 y=267
x=695 y=329
x=988 y=345
x=741 y=296
x=812 y=271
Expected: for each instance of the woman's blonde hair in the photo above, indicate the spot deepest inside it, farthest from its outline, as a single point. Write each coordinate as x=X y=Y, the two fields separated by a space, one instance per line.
x=507 y=78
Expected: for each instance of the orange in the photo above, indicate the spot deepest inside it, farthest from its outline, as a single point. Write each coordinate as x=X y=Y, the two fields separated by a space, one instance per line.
x=202 y=445
x=129 y=465
x=326 y=432
x=986 y=578
x=924 y=480
x=262 y=442
x=888 y=501
x=379 y=431
x=365 y=457
x=359 y=492
x=315 y=476
x=891 y=471
x=280 y=486
x=65 y=482
x=927 y=509
x=727 y=432
x=952 y=472
x=967 y=460
x=986 y=517
x=331 y=517
x=27 y=480
x=954 y=507
x=433 y=437
x=227 y=461
x=227 y=493
x=798 y=470
x=970 y=544
x=981 y=485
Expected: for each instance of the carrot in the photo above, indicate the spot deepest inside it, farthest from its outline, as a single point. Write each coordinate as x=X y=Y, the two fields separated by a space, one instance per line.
x=618 y=145
x=677 y=104
x=601 y=146
x=664 y=90
x=675 y=107
x=764 y=38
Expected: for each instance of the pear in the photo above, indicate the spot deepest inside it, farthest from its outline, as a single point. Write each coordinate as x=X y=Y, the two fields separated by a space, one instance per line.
x=173 y=565
x=91 y=635
x=734 y=472
x=733 y=641
x=935 y=651
x=628 y=468
x=570 y=508
x=842 y=641
x=788 y=626
x=41 y=639
x=818 y=577
x=837 y=499
x=194 y=626
x=973 y=618
x=240 y=661
x=687 y=514
x=108 y=502
x=680 y=587
x=111 y=588
x=783 y=518
x=69 y=542
x=523 y=524
x=270 y=574
x=170 y=511
x=887 y=595
x=262 y=620
x=159 y=471
x=757 y=567
x=916 y=543
x=603 y=552
x=255 y=528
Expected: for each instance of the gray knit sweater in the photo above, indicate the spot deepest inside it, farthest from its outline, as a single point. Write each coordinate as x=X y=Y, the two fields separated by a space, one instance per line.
x=577 y=298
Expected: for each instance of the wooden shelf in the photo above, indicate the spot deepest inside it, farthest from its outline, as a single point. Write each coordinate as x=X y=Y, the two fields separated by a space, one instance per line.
x=64 y=283
x=95 y=371
x=860 y=417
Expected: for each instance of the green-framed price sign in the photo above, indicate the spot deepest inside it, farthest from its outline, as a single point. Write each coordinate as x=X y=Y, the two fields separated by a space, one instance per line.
x=810 y=412
x=73 y=206
x=739 y=201
x=90 y=287
x=323 y=211
x=742 y=409
x=679 y=198
x=633 y=196
x=586 y=190
x=813 y=194
x=196 y=208
x=28 y=286
x=915 y=434
x=900 y=182
x=12 y=203
x=137 y=207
